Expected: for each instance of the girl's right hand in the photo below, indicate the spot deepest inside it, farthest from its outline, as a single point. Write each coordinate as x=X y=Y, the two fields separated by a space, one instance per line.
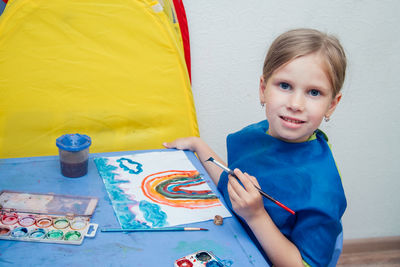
x=246 y=201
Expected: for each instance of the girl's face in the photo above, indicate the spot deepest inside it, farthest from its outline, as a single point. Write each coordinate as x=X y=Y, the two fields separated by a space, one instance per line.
x=297 y=97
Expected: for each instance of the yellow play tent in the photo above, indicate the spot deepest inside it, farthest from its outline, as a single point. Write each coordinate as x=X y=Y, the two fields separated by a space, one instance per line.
x=112 y=69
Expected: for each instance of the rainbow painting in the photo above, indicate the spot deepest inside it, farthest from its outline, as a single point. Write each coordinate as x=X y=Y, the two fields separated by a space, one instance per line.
x=158 y=189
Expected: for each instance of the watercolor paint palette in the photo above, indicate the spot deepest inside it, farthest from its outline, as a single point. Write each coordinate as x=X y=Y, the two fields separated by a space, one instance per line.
x=199 y=259
x=46 y=218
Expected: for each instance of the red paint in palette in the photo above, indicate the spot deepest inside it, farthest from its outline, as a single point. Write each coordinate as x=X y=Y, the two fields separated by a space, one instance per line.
x=184 y=263
x=9 y=218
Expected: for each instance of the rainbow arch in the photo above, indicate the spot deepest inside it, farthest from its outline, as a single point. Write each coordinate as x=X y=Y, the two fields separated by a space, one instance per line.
x=176 y=188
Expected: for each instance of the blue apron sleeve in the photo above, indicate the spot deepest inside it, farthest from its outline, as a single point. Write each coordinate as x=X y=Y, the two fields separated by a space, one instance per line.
x=315 y=235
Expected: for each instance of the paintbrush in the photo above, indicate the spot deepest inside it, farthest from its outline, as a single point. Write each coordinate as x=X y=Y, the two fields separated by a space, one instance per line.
x=229 y=171
x=154 y=229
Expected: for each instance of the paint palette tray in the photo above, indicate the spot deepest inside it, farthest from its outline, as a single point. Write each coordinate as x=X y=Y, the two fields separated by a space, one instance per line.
x=46 y=218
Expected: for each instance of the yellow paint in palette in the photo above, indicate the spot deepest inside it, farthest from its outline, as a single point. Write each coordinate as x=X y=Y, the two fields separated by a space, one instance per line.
x=67 y=227
x=78 y=223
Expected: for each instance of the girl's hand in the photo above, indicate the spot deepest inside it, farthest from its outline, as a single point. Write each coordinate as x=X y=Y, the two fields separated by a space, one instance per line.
x=246 y=201
x=203 y=151
x=187 y=143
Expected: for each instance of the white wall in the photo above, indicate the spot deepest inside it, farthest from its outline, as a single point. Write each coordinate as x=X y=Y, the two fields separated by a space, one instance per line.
x=229 y=40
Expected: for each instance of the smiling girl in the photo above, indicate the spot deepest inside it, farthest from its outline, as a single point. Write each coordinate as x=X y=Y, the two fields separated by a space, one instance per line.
x=286 y=154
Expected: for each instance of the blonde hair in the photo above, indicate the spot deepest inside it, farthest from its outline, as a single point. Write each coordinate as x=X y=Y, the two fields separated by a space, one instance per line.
x=301 y=42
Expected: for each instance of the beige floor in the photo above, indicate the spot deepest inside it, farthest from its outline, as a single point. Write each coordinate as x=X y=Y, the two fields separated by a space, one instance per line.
x=382 y=252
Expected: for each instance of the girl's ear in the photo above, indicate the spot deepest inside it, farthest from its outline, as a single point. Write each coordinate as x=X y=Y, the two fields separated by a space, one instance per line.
x=262 y=89
x=333 y=105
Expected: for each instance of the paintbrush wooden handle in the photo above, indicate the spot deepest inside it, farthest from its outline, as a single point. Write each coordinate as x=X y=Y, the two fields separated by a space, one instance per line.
x=154 y=229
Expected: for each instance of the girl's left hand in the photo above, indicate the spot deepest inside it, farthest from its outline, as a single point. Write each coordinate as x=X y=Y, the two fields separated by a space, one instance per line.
x=246 y=201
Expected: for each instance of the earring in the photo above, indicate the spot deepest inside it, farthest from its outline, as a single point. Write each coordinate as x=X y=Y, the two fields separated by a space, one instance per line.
x=326 y=118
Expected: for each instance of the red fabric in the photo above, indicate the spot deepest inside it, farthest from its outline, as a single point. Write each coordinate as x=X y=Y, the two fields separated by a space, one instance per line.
x=5 y=1
x=181 y=15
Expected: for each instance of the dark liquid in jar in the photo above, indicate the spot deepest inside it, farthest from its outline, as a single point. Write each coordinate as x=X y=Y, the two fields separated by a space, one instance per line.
x=74 y=170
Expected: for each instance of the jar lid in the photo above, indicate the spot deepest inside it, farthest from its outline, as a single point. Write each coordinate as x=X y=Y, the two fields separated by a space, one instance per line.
x=73 y=142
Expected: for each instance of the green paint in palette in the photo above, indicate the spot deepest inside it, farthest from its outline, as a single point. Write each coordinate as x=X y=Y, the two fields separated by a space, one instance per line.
x=55 y=234
x=73 y=235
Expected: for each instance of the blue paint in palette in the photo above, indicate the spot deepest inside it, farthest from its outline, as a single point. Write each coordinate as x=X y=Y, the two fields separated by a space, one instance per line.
x=38 y=233
x=214 y=264
x=20 y=232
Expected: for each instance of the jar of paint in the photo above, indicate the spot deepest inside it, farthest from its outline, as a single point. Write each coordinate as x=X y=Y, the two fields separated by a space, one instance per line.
x=74 y=154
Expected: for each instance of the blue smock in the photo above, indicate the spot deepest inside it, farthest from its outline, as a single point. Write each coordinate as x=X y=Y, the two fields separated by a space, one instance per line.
x=302 y=176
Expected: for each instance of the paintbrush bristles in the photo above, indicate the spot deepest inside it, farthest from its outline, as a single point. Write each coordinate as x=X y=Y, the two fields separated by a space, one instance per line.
x=221 y=166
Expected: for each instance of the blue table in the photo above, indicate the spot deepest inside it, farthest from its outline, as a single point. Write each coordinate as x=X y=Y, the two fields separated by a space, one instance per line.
x=229 y=242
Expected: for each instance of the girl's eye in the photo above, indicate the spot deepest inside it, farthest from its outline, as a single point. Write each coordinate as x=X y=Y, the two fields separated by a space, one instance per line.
x=314 y=92
x=284 y=86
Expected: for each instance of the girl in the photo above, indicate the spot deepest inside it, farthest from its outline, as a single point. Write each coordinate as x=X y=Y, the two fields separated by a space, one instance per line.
x=303 y=73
